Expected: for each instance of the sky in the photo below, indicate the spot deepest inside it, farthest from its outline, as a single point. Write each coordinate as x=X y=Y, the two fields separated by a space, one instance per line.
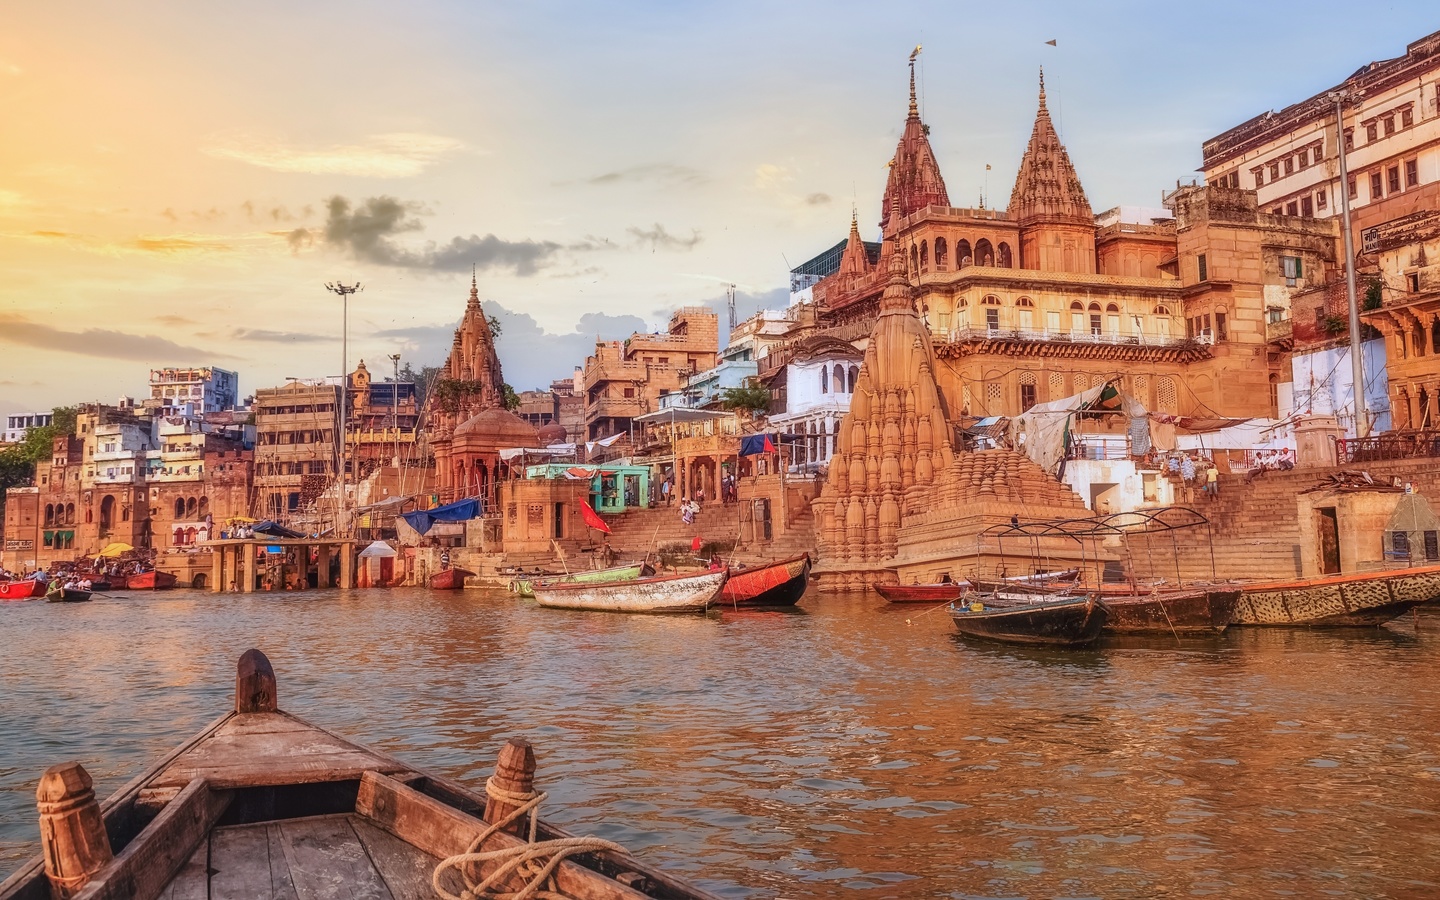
x=179 y=180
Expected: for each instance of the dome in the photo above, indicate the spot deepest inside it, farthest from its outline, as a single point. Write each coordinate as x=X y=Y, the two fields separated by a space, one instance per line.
x=497 y=428
x=553 y=433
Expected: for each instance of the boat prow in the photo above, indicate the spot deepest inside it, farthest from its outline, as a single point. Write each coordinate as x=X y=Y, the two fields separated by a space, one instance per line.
x=779 y=583
x=261 y=798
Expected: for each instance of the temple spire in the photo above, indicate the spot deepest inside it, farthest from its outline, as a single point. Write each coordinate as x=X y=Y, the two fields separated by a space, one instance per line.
x=914 y=107
x=1047 y=187
x=1042 y=87
x=914 y=174
x=854 y=261
x=474 y=288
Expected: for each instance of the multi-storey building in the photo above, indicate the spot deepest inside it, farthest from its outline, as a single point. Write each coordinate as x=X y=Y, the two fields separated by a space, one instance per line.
x=383 y=417
x=625 y=379
x=295 y=445
x=1391 y=130
x=202 y=388
x=1403 y=304
x=18 y=425
x=197 y=479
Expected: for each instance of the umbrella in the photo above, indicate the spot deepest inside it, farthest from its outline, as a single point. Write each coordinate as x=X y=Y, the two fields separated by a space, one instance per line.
x=241 y=520
x=379 y=548
x=115 y=549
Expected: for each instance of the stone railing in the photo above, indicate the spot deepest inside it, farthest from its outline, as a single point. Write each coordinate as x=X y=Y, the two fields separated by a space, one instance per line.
x=1063 y=336
x=1396 y=445
x=1279 y=331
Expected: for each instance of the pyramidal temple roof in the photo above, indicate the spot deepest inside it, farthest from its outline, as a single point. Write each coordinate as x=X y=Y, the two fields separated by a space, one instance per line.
x=1047 y=187
x=914 y=177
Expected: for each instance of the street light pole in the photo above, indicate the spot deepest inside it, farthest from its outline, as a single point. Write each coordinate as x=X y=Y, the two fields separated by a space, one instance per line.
x=395 y=410
x=344 y=290
x=1357 y=362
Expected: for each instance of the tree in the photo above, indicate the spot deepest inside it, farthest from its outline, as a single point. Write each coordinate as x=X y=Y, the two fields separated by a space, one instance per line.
x=512 y=399
x=17 y=463
x=750 y=396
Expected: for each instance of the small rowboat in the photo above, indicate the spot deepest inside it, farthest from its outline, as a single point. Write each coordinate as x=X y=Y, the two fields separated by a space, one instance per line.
x=775 y=584
x=1046 y=581
x=935 y=594
x=449 y=579
x=1058 y=623
x=1202 y=610
x=525 y=587
x=264 y=804
x=670 y=594
x=21 y=590
x=67 y=595
x=153 y=580
x=1372 y=598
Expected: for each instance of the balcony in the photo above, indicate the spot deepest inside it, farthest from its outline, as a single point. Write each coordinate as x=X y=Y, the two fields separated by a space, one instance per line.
x=1279 y=332
x=626 y=408
x=1062 y=336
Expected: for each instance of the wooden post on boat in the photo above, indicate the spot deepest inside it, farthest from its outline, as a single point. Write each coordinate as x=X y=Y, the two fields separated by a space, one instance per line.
x=255 y=684
x=72 y=831
x=514 y=774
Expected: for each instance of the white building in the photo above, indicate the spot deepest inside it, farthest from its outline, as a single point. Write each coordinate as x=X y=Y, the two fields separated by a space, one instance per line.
x=115 y=453
x=16 y=426
x=815 y=386
x=205 y=388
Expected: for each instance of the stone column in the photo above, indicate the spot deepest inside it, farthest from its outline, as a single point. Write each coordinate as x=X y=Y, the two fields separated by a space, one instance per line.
x=322 y=566
x=347 y=566
x=247 y=567
x=716 y=496
x=217 y=568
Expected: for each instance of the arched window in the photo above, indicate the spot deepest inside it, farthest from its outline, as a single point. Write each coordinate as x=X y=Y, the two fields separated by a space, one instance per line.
x=1161 y=311
x=961 y=303
x=839 y=381
x=1112 y=319
x=1110 y=307
x=178 y=537
x=190 y=535
x=179 y=507
x=1077 y=317
x=824 y=379
x=1025 y=301
x=1076 y=304
x=1094 y=307
x=914 y=259
x=190 y=507
x=69 y=514
x=940 y=254
x=963 y=256
x=204 y=509
x=984 y=253
x=991 y=300
x=924 y=256
x=49 y=514
x=854 y=375
x=1026 y=308
x=1004 y=259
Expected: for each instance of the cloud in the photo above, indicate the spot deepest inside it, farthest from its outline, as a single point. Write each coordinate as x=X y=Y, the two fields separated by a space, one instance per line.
x=661 y=173
x=11 y=201
x=367 y=232
x=171 y=245
x=658 y=238
x=770 y=175
x=9 y=68
x=396 y=155
x=278 y=337
x=167 y=244
x=817 y=199
x=298 y=239
x=100 y=342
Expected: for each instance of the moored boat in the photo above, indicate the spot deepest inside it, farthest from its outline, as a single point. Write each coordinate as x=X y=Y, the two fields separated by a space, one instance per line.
x=943 y=592
x=263 y=803
x=67 y=595
x=668 y=594
x=1041 y=582
x=153 y=580
x=21 y=589
x=449 y=579
x=525 y=587
x=1201 y=610
x=773 y=584
x=1370 y=598
x=1059 y=623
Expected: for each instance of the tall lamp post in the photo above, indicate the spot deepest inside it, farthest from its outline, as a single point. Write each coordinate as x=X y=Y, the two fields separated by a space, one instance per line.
x=1357 y=362
x=344 y=290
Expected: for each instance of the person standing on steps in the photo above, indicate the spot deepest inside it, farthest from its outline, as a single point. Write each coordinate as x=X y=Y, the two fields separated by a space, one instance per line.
x=1212 y=481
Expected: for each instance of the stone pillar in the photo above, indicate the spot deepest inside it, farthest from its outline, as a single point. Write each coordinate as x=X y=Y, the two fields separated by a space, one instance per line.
x=217 y=569
x=716 y=496
x=347 y=566
x=246 y=567
x=323 y=554
x=1315 y=438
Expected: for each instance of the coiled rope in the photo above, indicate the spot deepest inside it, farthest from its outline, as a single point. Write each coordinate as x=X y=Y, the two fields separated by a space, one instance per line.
x=535 y=861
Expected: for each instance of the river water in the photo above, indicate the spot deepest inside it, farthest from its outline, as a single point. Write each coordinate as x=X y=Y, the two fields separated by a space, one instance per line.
x=831 y=750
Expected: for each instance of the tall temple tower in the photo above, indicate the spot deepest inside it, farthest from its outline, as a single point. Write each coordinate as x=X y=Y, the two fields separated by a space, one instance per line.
x=473 y=362
x=914 y=179
x=1057 y=226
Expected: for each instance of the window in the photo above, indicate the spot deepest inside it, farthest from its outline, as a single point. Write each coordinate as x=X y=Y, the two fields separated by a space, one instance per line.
x=1292 y=208
x=1259 y=178
x=1320 y=200
x=1095 y=323
x=1289 y=165
x=1393 y=179
x=1389 y=125
x=629 y=393
x=1412 y=172
x=1318 y=152
x=1354 y=189
x=1407 y=117
x=1052 y=321
x=1372 y=132
x=1304 y=159
x=1274 y=171
x=1432 y=545
x=1349 y=139
x=1027 y=396
x=1291 y=269
x=1234 y=179
x=825 y=380
x=1220 y=332
x=1307 y=207
x=1377 y=186
x=1204 y=271
x=992 y=319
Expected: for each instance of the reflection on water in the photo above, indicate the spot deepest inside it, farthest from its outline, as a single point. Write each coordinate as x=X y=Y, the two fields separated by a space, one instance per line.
x=804 y=752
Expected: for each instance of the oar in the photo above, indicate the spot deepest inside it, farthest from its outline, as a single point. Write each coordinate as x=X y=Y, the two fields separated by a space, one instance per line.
x=931 y=610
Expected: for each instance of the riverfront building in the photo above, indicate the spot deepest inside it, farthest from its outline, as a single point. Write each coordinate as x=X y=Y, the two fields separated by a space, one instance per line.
x=201 y=389
x=19 y=425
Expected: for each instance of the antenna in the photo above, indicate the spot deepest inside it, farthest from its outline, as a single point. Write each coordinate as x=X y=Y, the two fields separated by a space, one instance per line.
x=730 y=300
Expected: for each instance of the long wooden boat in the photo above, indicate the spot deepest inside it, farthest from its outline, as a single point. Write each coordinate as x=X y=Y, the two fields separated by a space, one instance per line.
x=262 y=803
x=1200 y=610
x=775 y=584
x=451 y=579
x=1059 y=623
x=67 y=595
x=1056 y=581
x=935 y=594
x=21 y=589
x=1371 y=598
x=668 y=594
x=525 y=587
x=153 y=580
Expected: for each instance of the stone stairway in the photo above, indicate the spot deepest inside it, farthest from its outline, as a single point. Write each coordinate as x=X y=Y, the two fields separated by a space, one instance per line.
x=635 y=532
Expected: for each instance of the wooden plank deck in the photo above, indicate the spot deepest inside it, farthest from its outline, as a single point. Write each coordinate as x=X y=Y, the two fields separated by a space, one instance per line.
x=316 y=858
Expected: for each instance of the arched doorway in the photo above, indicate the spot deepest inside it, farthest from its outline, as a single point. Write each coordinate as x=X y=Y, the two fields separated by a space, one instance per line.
x=107 y=514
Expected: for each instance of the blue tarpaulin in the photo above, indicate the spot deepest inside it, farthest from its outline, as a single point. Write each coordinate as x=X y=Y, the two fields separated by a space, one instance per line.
x=755 y=444
x=275 y=530
x=459 y=511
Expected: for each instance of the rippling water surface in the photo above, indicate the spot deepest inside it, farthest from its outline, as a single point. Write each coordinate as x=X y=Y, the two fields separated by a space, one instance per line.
x=828 y=750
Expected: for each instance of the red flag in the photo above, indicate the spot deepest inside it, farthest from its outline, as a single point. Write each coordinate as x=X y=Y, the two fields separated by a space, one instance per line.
x=592 y=518
x=695 y=544
x=769 y=446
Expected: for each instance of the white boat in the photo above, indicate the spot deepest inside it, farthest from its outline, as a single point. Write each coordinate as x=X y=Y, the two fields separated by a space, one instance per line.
x=669 y=594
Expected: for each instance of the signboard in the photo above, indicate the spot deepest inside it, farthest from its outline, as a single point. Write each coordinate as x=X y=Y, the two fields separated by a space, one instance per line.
x=1406 y=230
x=20 y=545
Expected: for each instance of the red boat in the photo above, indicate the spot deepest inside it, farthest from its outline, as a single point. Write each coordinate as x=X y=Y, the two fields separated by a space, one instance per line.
x=153 y=580
x=943 y=592
x=774 y=584
x=449 y=579
x=21 y=590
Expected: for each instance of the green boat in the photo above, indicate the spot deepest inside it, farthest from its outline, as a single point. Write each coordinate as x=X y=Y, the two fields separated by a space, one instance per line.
x=525 y=587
